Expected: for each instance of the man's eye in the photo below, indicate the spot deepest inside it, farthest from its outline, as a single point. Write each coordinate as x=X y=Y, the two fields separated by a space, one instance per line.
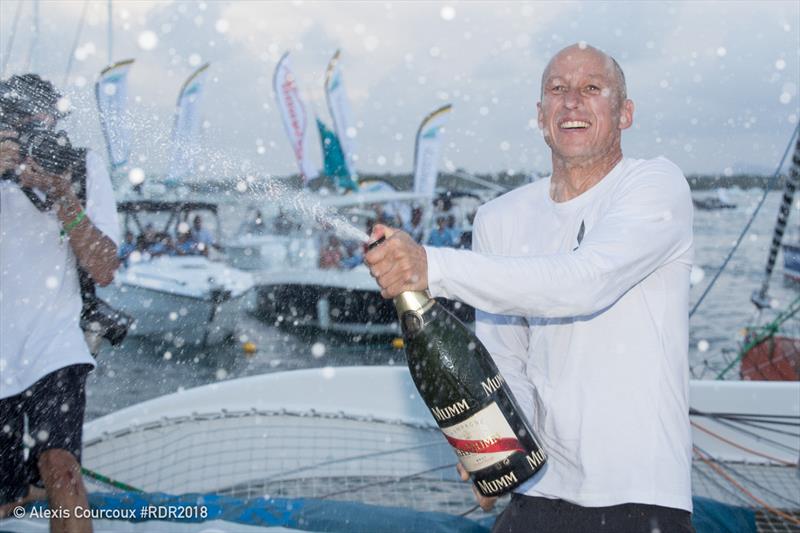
x=592 y=89
x=559 y=88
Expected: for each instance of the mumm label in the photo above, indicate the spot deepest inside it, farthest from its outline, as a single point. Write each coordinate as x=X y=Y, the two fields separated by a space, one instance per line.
x=493 y=486
x=492 y=384
x=450 y=411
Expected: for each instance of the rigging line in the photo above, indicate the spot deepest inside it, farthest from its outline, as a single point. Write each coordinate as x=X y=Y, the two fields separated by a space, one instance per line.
x=751 y=480
x=109 y=481
x=762 y=503
x=10 y=44
x=717 y=483
x=350 y=458
x=743 y=448
x=745 y=419
x=75 y=42
x=763 y=333
x=755 y=435
x=725 y=414
x=386 y=482
x=746 y=227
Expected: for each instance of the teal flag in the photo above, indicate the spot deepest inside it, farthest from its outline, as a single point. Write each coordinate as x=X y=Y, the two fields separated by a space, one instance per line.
x=335 y=166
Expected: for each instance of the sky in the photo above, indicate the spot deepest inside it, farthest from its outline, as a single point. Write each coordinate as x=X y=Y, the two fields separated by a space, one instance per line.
x=715 y=84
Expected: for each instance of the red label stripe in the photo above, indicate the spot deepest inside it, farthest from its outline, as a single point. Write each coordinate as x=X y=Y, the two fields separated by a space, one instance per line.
x=485 y=446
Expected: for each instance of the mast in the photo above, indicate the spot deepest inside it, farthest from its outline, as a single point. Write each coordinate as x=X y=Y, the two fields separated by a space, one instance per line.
x=759 y=298
x=75 y=41
x=10 y=44
x=34 y=39
x=110 y=33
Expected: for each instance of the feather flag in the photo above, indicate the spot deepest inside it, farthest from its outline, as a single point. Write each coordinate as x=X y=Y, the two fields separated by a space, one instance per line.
x=185 y=132
x=339 y=108
x=295 y=118
x=111 y=93
x=426 y=151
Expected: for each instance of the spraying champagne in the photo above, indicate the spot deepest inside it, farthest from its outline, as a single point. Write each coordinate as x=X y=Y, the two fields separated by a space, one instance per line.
x=467 y=395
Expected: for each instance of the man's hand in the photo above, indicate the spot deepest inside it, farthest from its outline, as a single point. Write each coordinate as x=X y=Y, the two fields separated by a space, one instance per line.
x=486 y=503
x=399 y=264
x=9 y=151
x=54 y=186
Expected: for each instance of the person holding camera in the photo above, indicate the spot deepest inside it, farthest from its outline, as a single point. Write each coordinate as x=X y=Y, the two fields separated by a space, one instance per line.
x=57 y=214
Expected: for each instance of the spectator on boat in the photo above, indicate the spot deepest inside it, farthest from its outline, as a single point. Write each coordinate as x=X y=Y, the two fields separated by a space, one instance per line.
x=331 y=254
x=148 y=237
x=49 y=231
x=414 y=226
x=353 y=256
x=441 y=236
x=283 y=225
x=184 y=245
x=455 y=233
x=162 y=246
x=127 y=247
x=202 y=238
x=256 y=225
x=581 y=289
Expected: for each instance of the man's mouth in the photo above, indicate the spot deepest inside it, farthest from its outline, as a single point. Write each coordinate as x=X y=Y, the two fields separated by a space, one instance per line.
x=574 y=125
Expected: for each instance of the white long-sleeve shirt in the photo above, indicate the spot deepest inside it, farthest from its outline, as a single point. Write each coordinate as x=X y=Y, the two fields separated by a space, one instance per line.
x=592 y=333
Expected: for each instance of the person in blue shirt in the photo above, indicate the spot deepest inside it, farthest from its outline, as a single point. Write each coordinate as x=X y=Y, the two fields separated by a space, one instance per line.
x=441 y=236
x=127 y=248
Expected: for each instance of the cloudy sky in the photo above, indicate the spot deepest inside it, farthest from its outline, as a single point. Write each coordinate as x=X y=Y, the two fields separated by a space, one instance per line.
x=715 y=83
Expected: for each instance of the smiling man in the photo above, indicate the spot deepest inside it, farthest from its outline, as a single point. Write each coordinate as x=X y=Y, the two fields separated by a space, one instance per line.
x=581 y=286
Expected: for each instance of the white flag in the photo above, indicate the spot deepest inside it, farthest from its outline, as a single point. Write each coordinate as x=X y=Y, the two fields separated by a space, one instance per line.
x=111 y=93
x=295 y=118
x=426 y=151
x=185 y=132
x=339 y=108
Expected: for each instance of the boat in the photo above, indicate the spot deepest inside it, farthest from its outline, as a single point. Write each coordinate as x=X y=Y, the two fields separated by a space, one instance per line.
x=771 y=347
x=181 y=299
x=711 y=203
x=791 y=261
x=296 y=289
x=356 y=449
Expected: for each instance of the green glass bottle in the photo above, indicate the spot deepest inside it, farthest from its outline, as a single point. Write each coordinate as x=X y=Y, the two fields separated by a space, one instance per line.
x=467 y=395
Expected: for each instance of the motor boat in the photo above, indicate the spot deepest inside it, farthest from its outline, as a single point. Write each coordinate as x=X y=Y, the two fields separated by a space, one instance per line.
x=192 y=299
x=295 y=286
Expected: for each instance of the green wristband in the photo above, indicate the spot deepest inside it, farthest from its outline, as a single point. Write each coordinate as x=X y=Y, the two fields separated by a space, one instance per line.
x=75 y=221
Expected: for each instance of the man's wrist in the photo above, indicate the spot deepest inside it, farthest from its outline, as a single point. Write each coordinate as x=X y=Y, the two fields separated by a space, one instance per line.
x=68 y=206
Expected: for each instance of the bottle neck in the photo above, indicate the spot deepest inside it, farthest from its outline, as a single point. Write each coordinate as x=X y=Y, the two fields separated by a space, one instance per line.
x=415 y=301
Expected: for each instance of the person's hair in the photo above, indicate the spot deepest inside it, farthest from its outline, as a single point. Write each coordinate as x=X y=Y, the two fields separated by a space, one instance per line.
x=615 y=66
x=29 y=94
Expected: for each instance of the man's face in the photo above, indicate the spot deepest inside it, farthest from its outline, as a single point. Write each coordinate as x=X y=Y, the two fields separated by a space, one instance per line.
x=41 y=120
x=582 y=112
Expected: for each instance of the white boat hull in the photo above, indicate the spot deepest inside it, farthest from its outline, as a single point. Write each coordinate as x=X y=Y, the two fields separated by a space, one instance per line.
x=183 y=300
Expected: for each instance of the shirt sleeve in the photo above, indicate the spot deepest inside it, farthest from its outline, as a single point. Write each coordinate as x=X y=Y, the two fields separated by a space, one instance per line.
x=101 y=207
x=648 y=224
x=505 y=337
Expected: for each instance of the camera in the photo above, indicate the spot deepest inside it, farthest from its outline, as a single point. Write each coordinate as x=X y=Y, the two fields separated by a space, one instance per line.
x=100 y=319
x=50 y=149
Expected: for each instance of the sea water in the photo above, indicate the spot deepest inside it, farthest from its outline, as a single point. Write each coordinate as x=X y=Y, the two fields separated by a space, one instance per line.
x=138 y=370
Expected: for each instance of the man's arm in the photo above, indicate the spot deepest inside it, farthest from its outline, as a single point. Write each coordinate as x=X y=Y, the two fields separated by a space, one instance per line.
x=95 y=251
x=649 y=225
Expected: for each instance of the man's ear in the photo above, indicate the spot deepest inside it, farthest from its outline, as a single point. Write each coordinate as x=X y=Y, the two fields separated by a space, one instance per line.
x=626 y=115
x=539 y=118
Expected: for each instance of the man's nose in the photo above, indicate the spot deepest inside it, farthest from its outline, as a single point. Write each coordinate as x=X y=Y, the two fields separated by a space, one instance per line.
x=572 y=98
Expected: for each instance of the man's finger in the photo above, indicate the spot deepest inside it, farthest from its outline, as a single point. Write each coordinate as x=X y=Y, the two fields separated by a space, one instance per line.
x=380 y=230
x=462 y=472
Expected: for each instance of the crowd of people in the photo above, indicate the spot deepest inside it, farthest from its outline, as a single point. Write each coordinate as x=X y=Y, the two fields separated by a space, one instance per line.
x=196 y=240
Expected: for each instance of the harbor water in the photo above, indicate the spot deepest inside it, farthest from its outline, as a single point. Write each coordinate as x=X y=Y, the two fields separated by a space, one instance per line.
x=139 y=370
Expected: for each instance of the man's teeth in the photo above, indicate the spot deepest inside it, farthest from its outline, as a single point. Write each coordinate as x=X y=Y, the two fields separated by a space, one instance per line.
x=573 y=124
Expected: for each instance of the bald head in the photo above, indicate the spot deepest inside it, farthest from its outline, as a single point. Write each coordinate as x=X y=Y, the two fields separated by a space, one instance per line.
x=613 y=69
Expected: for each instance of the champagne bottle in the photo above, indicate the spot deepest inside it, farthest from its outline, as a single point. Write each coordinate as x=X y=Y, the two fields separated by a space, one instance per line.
x=467 y=395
